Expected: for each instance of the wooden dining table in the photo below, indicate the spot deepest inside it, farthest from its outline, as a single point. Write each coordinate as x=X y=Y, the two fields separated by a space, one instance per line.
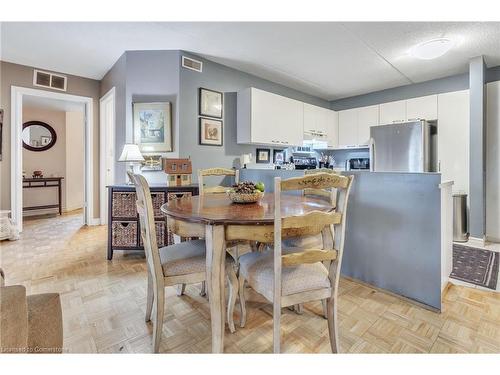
x=218 y=220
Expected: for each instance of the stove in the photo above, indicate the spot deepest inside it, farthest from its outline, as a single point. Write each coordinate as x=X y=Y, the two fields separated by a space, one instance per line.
x=305 y=162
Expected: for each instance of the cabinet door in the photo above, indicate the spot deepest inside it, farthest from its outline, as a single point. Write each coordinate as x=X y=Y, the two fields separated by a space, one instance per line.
x=423 y=108
x=333 y=129
x=290 y=126
x=348 y=128
x=392 y=112
x=315 y=118
x=367 y=116
x=453 y=138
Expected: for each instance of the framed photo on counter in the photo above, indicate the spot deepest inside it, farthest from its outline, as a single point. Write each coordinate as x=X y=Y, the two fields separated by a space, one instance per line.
x=210 y=102
x=278 y=156
x=263 y=155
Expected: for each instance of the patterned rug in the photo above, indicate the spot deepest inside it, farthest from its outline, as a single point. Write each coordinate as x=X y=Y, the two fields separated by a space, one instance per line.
x=476 y=266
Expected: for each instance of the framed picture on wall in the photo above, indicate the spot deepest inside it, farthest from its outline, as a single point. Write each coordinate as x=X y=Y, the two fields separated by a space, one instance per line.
x=263 y=155
x=210 y=103
x=153 y=127
x=278 y=156
x=211 y=132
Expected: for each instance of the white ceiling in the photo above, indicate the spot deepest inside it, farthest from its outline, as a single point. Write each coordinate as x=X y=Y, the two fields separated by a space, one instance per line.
x=52 y=104
x=330 y=60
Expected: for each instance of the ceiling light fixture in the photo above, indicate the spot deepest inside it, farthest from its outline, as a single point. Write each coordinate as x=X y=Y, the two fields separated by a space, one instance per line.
x=431 y=49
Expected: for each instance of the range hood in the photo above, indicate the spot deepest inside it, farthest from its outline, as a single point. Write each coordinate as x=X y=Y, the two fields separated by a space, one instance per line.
x=316 y=139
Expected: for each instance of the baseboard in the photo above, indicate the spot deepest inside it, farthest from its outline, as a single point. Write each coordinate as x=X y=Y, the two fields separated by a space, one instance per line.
x=475 y=241
x=94 y=221
x=492 y=239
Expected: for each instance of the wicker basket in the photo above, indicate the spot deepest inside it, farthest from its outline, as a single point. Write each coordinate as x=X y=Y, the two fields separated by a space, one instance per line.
x=158 y=200
x=161 y=234
x=124 y=204
x=245 y=198
x=124 y=233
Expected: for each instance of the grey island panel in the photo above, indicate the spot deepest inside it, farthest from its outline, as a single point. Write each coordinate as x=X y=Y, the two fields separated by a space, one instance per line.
x=393 y=235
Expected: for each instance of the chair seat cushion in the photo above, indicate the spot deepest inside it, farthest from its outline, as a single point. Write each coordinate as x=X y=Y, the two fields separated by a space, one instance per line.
x=183 y=258
x=257 y=269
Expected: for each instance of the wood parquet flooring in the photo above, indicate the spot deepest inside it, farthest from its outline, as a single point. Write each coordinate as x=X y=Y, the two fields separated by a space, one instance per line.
x=104 y=304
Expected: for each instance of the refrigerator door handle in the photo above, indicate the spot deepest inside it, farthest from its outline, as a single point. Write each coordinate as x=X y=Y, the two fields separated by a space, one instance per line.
x=371 y=144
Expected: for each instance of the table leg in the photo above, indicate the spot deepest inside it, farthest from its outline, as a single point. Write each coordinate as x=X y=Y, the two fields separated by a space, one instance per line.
x=216 y=253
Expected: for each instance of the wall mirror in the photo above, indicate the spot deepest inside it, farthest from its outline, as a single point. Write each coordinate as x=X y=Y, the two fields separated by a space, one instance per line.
x=38 y=136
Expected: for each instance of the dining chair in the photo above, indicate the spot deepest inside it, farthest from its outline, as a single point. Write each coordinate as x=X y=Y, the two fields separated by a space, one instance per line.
x=182 y=263
x=217 y=172
x=300 y=275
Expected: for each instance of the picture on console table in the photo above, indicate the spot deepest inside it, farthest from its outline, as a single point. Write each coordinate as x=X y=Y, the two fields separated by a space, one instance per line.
x=210 y=132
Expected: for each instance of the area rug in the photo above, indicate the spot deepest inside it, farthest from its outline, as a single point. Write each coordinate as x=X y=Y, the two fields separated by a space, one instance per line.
x=475 y=266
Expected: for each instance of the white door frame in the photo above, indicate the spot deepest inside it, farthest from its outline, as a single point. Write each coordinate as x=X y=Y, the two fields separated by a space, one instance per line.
x=110 y=95
x=16 y=171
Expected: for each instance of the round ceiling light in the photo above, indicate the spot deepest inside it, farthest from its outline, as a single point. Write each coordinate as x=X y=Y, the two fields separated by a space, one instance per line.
x=431 y=49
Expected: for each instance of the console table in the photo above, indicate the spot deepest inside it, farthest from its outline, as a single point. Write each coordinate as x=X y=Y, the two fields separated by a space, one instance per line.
x=42 y=182
x=123 y=220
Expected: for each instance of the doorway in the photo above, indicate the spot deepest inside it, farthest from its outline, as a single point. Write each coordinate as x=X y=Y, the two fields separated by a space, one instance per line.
x=77 y=107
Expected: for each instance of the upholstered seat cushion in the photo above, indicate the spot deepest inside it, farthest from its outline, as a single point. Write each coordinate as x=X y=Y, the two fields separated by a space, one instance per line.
x=257 y=269
x=183 y=258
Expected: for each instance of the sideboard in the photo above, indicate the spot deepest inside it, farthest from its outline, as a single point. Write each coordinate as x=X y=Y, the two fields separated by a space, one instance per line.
x=123 y=220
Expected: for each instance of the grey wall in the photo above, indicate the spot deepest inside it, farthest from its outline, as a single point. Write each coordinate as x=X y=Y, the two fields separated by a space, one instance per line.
x=477 y=149
x=143 y=76
x=435 y=86
x=229 y=81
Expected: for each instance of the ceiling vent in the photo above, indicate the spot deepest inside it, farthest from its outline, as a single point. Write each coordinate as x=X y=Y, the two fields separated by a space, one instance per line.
x=192 y=64
x=50 y=80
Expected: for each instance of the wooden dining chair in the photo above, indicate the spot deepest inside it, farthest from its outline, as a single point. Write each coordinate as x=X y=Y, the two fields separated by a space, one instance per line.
x=182 y=263
x=217 y=172
x=300 y=276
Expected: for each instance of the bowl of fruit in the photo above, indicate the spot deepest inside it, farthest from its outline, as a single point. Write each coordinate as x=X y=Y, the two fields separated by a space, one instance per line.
x=246 y=192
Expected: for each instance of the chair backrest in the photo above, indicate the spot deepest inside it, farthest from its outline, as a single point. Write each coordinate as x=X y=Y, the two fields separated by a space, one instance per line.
x=330 y=224
x=327 y=194
x=144 y=205
x=222 y=172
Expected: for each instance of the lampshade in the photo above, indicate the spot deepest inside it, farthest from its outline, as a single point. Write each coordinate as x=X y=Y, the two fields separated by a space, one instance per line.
x=131 y=153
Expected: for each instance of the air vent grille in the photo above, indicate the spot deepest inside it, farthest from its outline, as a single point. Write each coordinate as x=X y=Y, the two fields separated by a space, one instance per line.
x=50 y=80
x=192 y=64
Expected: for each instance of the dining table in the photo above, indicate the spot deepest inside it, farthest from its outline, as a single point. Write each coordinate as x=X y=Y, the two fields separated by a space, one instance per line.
x=218 y=220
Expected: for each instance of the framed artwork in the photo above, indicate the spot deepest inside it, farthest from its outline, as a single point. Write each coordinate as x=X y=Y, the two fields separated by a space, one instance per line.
x=153 y=127
x=211 y=103
x=1 y=126
x=210 y=132
x=263 y=155
x=278 y=156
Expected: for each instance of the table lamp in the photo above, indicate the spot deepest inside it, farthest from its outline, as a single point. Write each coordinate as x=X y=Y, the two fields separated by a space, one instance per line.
x=131 y=154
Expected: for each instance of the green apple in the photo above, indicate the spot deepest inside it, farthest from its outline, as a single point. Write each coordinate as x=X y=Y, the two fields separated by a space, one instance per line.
x=260 y=186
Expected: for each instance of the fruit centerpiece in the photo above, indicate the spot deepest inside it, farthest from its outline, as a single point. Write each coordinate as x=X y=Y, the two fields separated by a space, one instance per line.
x=246 y=192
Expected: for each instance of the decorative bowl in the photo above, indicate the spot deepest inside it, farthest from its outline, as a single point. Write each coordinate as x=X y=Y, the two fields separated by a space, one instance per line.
x=245 y=198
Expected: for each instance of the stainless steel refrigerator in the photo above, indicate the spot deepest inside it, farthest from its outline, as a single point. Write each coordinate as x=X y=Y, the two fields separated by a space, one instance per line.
x=401 y=147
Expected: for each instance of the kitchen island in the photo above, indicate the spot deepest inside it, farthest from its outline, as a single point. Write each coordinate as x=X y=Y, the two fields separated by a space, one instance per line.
x=399 y=231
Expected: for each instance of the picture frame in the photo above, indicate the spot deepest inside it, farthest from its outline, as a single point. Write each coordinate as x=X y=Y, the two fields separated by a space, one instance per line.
x=211 y=132
x=211 y=103
x=152 y=163
x=278 y=156
x=153 y=126
x=263 y=155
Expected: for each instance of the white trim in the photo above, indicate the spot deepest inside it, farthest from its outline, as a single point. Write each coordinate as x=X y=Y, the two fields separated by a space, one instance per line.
x=95 y=221
x=16 y=180
x=102 y=162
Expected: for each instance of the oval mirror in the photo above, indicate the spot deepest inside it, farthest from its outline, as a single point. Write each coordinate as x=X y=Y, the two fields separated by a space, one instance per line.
x=38 y=136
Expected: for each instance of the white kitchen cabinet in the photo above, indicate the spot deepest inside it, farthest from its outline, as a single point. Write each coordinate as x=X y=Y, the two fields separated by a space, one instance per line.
x=315 y=118
x=392 y=112
x=333 y=129
x=269 y=119
x=453 y=138
x=367 y=117
x=424 y=108
x=348 y=128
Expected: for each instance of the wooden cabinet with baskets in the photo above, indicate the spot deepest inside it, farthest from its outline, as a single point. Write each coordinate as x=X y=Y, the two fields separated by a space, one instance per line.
x=123 y=221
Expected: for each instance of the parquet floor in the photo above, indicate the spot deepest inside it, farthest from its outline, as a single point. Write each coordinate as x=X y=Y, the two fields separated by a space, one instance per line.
x=103 y=306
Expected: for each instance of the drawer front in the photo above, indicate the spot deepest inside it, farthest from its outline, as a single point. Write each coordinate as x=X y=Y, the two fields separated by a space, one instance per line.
x=161 y=234
x=179 y=194
x=124 y=204
x=124 y=233
x=158 y=199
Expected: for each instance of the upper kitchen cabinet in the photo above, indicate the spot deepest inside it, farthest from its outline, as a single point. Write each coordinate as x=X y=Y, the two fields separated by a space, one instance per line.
x=423 y=108
x=333 y=129
x=348 y=128
x=316 y=119
x=393 y=112
x=453 y=138
x=367 y=117
x=269 y=119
